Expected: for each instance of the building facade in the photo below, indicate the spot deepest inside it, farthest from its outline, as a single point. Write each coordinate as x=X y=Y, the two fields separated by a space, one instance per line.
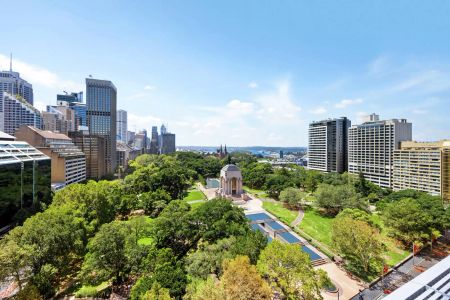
x=68 y=162
x=154 y=141
x=15 y=112
x=24 y=178
x=424 y=167
x=70 y=98
x=167 y=143
x=62 y=119
x=327 y=145
x=101 y=100
x=93 y=147
x=230 y=182
x=371 y=147
x=122 y=125
x=13 y=84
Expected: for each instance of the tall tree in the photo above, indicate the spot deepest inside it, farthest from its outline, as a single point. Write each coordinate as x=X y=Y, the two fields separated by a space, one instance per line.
x=241 y=280
x=358 y=242
x=290 y=270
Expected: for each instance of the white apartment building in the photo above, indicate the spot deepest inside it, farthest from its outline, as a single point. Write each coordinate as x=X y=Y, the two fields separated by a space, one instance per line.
x=327 y=145
x=371 y=147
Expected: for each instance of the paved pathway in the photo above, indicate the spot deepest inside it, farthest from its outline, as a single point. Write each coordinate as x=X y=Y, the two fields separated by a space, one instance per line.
x=299 y=218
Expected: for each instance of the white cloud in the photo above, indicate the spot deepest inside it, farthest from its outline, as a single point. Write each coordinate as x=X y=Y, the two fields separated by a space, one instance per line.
x=39 y=105
x=253 y=85
x=347 y=102
x=149 y=87
x=240 y=107
x=318 y=110
x=379 y=65
x=37 y=75
x=418 y=111
x=136 y=122
x=360 y=115
x=278 y=106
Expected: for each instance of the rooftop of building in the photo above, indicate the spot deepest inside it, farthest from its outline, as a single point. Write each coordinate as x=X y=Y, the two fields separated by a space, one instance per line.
x=6 y=137
x=230 y=167
x=424 y=145
x=100 y=82
x=24 y=102
x=49 y=134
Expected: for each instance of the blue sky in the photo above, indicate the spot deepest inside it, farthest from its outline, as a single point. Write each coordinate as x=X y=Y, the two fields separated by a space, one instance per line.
x=241 y=72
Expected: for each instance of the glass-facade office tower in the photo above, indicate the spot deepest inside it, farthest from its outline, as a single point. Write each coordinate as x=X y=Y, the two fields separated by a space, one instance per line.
x=154 y=141
x=24 y=179
x=327 y=147
x=13 y=84
x=122 y=125
x=72 y=97
x=101 y=101
x=371 y=147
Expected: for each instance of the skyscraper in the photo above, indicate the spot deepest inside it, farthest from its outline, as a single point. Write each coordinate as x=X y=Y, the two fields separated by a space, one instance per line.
x=15 y=111
x=13 y=84
x=371 y=147
x=327 y=149
x=154 y=141
x=72 y=97
x=101 y=100
x=167 y=143
x=122 y=125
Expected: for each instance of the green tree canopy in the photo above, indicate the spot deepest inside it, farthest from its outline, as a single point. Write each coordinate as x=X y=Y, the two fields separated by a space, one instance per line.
x=290 y=270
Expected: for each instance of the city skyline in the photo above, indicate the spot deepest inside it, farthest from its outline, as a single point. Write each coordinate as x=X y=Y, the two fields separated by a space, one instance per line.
x=214 y=80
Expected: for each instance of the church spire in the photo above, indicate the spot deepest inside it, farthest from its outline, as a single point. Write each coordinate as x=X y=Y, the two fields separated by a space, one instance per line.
x=226 y=152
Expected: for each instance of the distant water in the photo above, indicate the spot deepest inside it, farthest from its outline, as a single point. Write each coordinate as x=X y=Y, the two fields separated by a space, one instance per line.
x=254 y=150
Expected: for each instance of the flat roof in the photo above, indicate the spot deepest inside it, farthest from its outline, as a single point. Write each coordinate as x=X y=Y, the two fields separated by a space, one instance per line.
x=434 y=283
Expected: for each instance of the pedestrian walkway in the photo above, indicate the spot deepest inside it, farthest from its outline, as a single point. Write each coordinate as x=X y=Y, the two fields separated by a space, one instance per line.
x=299 y=218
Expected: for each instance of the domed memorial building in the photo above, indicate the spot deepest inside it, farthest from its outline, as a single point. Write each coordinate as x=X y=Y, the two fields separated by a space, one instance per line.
x=230 y=182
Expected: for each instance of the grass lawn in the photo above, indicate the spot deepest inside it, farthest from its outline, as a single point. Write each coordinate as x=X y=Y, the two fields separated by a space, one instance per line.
x=281 y=212
x=259 y=193
x=317 y=226
x=194 y=195
x=196 y=205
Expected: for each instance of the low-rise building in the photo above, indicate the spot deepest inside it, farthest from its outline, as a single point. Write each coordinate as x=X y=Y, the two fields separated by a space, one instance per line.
x=68 y=161
x=423 y=166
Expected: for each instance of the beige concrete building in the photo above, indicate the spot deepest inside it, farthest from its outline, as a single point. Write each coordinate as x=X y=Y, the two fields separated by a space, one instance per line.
x=68 y=162
x=423 y=166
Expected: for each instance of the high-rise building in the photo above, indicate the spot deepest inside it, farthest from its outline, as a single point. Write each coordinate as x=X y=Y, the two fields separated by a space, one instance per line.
x=140 y=141
x=65 y=118
x=122 y=125
x=68 y=162
x=154 y=141
x=70 y=98
x=101 y=100
x=423 y=166
x=167 y=143
x=327 y=149
x=13 y=84
x=15 y=112
x=93 y=146
x=80 y=114
x=24 y=178
x=371 y=147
